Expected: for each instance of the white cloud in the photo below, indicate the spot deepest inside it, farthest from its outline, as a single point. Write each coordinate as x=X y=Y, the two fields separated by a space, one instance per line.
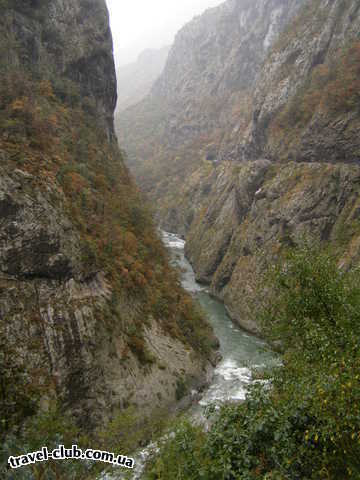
x=140 y=24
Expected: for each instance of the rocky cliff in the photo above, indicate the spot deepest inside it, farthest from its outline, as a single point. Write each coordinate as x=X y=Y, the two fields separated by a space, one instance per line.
x=90 y=311
x=276 y=160
x=202 y=97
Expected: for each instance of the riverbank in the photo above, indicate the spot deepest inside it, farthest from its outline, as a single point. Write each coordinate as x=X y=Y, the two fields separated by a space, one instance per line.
x=240 y=353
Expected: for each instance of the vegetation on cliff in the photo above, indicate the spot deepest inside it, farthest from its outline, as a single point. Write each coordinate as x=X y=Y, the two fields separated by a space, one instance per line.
x=58 y=142
x=54 y=139
x=331 y=91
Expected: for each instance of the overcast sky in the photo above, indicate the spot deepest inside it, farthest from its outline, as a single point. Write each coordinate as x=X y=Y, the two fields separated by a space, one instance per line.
x=140 y=24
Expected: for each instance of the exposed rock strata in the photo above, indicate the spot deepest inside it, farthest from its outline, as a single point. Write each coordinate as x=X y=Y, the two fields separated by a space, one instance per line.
x=260 y=210
x=313 y=43
x=233 y=115
x=59 y=311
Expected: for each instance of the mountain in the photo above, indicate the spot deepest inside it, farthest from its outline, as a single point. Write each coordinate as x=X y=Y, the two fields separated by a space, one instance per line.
x=203 y=95
x=136 y=79
x=249 y=141
x=92 y=316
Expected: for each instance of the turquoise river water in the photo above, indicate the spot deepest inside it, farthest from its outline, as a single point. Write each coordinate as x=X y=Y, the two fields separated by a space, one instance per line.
x=241 y=352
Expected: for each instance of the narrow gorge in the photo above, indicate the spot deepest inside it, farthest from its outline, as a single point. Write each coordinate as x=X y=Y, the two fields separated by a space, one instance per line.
x=248 y=147
x=249 y=141
x=180 y=240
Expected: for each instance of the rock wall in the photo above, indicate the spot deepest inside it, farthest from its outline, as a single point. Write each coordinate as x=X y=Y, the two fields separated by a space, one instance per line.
x=84 y=306
x=202 y=100
x=72 y=39
x=259 y=210
x=317 y=52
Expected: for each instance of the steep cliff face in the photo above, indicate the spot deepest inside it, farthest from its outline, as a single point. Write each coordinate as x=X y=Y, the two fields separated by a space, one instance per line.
x=215 y=56
x=90 y=311
x=305 y=110
x=260 y=209
x=280 y=161
x=307 y=89
x=56 y=35
x=202 y=99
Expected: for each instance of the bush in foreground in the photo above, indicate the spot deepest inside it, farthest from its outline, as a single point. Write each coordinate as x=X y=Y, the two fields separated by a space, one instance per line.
x=307 y=426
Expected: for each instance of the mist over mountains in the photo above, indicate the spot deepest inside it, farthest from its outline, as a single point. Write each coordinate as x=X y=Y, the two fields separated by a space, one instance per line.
x=135 y=80
x=233 y=115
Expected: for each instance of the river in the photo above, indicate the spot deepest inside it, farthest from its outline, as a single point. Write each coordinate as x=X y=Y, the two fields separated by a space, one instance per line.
x=241 y=352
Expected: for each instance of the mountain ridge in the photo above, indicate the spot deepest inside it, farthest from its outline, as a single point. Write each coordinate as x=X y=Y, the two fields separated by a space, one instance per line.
x=136 y=79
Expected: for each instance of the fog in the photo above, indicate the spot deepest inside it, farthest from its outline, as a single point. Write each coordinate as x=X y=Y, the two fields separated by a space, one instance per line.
x=140 y=24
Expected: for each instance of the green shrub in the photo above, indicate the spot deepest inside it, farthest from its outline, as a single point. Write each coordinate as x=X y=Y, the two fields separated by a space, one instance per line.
x=180 y=455
x=307 y=425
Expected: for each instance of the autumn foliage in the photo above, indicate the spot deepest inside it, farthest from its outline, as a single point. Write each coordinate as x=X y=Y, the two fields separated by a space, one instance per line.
x=333 y=88
x=53 y=137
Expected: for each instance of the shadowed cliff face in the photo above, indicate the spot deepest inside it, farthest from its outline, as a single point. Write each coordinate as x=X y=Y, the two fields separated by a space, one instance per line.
x=89 y=306
x=71 y=39
x=251 y=89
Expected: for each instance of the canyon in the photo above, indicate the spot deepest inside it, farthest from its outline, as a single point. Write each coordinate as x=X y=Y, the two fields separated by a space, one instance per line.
x=248 y=143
